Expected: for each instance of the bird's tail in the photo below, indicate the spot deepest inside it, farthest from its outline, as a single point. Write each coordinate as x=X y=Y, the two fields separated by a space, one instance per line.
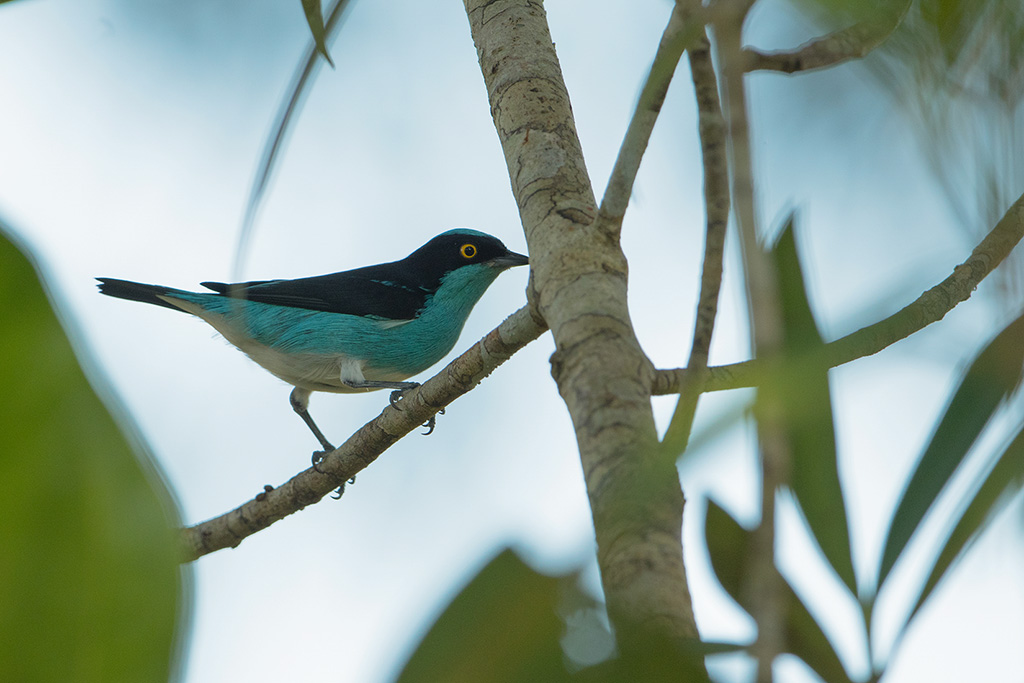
x=136 y=291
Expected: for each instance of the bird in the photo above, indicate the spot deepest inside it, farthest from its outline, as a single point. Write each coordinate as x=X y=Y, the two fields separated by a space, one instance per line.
x=357 y=330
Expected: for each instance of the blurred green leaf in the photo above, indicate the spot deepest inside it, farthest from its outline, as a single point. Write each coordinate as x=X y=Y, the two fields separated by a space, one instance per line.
x=90 y=585
x=502 y=627
x=837 y=14
x=806 y=640
x=727 y=544
x=1005 y=479
x=994 y=373
x=315 y=19
x=807 y=406
x=659 y=664
x=948 y=18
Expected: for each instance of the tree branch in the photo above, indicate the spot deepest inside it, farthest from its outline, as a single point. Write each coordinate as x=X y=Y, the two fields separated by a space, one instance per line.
x=680 y=32
x=363 y=447
x=713 y=143
x=761 y=582
x=928 y=308
x=853 y=42
x=579 y=285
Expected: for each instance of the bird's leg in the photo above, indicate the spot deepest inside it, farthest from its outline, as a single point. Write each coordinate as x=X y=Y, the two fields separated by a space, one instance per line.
x=399 y=389
x=300 y=403
x=299 y=399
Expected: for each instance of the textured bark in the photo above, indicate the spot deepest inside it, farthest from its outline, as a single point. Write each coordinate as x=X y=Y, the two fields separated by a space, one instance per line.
x=578 y=286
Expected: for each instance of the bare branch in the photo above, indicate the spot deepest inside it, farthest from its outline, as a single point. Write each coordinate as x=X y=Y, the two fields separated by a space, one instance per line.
x=853 y=42
x=713 y=142
x=928 y=308
x=680 y=32
x=363 y=447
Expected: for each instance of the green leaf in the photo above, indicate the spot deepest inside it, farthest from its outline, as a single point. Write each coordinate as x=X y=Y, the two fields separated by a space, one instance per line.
x=659 y=664
x=91 y=585
x=806 y=640
x=727 y=543
x=803 y=392
x=993 y=374
x=315 y=19
x=1006 y=478
x=502 y=627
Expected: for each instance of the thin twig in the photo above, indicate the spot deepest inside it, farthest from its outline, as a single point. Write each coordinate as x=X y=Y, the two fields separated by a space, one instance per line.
x=363 y=447
x=679 y=33
x=853 y=42
x=711 y=127
x=928 y=308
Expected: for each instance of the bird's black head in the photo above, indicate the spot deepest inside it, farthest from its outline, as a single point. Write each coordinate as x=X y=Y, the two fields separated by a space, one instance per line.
x=458 y=248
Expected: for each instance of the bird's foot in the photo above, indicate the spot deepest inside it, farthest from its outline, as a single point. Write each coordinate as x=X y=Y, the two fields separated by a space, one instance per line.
x=396 y=398
x=318 y=457
x=397 y=394
x=341 y=489
x=431 y=423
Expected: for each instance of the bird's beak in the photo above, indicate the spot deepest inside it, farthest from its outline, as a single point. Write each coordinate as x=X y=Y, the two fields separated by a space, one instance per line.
x=508 y=260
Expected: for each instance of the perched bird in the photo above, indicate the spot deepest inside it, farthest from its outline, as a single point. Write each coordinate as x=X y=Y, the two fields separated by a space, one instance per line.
x=358 y=330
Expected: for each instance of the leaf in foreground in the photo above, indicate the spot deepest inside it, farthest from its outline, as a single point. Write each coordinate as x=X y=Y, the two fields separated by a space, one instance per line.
x=991 y=377
x=803 y=391
x=315 y=19
x=1005 y=480
x=502 y=627
x=90 y=586
x=727 y=543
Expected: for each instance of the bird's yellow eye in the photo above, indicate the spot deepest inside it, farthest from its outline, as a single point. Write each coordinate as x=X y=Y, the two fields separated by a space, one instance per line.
x=468 y=250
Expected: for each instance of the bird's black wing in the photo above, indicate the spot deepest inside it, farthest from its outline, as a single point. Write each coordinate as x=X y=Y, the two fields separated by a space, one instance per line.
x=377 y=291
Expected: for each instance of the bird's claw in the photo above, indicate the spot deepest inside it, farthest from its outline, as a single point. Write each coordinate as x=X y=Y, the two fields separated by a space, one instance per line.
x=431 y=423
x=397 y=395
x=395 y=400
x=341 y=489
x=318 y=457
